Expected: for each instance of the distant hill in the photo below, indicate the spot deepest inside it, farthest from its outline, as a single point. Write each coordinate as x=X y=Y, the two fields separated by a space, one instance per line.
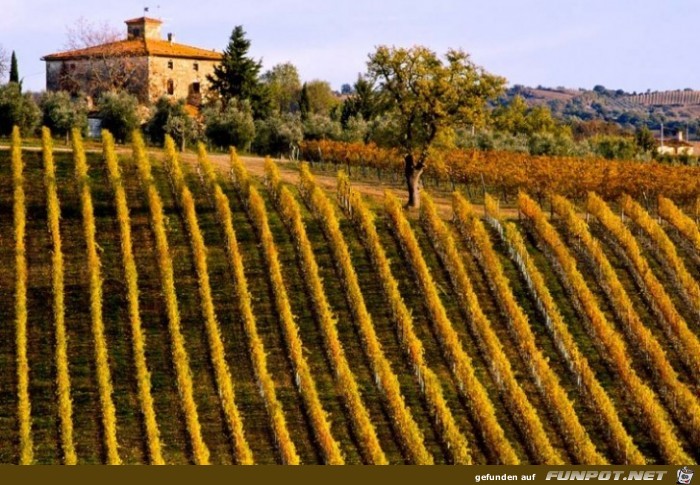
x=678 y=109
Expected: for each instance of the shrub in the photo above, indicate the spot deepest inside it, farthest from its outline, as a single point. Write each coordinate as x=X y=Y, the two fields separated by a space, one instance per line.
x=171 y=118
x=61 y=113
x=17 y=109
x=232 y=125
x=278 y=134
x=118 y=114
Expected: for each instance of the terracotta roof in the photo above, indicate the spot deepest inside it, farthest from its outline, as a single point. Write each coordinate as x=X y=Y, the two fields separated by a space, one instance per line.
x=137 y=48
x=149 y=20
x=674 y=142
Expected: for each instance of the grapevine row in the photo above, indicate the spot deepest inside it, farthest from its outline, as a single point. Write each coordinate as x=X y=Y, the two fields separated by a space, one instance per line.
x=681 y=400
x=472 y=228
x=623 y=447
x=657 y=234
x=404 y=424
x=303 y=378
x=257 y=350
x=429 y=382
x=686 y=225
x=24 y=407
x=222 y=374
x=165 y=266
x=676 y=328
x=53 y=210
x=104 y=377
x=345 y=380
x=612 y=344
x=509 y=172
x=516 y=400
x=138 y=343
x=454 y=352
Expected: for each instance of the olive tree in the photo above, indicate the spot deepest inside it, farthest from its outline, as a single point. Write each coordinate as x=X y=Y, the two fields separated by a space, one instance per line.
x=429 y=96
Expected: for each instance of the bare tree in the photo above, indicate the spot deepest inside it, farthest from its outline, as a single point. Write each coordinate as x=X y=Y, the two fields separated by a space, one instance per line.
x=104 y=61
x=85 y=33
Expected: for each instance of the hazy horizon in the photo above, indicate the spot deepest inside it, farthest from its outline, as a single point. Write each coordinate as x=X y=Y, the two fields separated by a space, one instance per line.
x=620 y=44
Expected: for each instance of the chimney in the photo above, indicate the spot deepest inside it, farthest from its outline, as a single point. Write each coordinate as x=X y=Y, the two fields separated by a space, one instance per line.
x=171 y=37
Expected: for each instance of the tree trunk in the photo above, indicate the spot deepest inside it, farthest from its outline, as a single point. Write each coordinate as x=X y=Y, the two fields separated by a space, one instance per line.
x=412 y=182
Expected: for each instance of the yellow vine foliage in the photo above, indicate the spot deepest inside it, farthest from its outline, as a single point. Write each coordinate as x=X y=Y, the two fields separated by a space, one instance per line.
x=255 y=345
x=682 y=403
x=165 y=267
x=138 y=341
x=239 y=174
x=431 y=387
x=345 y=380
x=681 y=221
x=104 y=377
x=517 y=402
x=642 y=218
x=675 y=326
x=53 y=210
x=553 y=393
x=303 y=377
x=24 y=408
x=510 y=172
x=458 y=359
x=623 y=447
x=224 y=382
x=404 y=424
x=652 y=412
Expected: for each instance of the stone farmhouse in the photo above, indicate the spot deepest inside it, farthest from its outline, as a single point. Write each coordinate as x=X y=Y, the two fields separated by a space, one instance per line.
x=675 y=146
x=144 y=64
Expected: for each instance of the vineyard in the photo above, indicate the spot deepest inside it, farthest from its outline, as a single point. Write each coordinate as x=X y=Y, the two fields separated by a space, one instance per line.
x=163 y=310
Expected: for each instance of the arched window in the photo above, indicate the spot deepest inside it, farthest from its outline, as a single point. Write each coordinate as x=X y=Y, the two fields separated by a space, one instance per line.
x=171 y=87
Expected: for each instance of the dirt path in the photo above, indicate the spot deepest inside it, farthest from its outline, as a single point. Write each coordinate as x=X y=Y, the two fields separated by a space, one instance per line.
x=371 y=189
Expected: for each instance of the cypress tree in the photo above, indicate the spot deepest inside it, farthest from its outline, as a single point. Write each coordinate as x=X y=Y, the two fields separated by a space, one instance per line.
x=14 y=71
x=304 y=102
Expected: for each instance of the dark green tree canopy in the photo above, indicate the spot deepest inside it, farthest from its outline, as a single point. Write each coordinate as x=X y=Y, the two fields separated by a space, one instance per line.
x=361 y=102
x=170 y=117
x=238 y=75
x=17 y=109
x=14 y=70
x=118 y=112
x=645 y=139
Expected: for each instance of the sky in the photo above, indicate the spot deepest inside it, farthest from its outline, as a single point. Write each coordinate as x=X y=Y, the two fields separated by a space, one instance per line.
x=633 y=45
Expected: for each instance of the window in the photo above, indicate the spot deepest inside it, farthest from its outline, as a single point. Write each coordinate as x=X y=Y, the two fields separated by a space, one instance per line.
x=170 y=64
x=171 y=87
x=196 y=66
x=72 y=66
x=195 y=88
x=136 y=32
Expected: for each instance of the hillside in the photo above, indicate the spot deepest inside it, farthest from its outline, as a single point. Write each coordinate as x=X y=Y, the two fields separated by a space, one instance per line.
x=402 y=340
x=679 y=109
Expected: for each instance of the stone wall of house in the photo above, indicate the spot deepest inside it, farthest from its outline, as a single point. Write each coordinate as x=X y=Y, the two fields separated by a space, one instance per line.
x=188 y=82
x=53 y=75
x=95 y=75
x=186 y=77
